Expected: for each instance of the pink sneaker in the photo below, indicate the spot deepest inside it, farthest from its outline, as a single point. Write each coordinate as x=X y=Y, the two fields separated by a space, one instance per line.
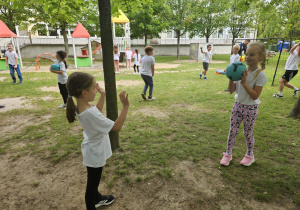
x=226 y=159
x=247 y=160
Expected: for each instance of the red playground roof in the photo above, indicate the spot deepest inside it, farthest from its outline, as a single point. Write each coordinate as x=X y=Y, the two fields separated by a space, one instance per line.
x=5 y=32
x=80 y=32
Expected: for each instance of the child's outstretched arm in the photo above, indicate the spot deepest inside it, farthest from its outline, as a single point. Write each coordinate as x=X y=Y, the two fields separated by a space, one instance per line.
x=295 y=46
x=253 y=92
x=102 y=97
x=121 y=119
x=201 y=50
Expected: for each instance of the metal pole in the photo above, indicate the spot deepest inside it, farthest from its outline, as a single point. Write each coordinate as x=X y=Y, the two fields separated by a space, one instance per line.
x=277 y=62
x=19 y=53
x=74 y=52
x=90 y=52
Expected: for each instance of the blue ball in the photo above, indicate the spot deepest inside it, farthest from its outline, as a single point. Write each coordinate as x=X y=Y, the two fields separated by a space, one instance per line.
x=235 y=70
x=55 y=67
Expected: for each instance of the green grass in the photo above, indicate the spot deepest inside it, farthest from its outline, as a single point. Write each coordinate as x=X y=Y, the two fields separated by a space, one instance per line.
x=194 y=127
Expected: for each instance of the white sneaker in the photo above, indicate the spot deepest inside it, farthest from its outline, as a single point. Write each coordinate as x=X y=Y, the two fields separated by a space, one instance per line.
x=134 y=73
x=117 y=72
x=62 y=106
x=152 y=98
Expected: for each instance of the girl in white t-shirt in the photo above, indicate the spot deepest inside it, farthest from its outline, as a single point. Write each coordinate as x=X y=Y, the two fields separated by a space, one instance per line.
x=62 y=76
x=137 y=61
x=116 y=59
x=128 y=57
x=235 y=57
x=95 y=147
x=291 y=67
x=245 y=108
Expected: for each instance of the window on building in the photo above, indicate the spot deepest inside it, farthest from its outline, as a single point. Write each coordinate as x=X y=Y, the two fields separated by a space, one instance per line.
x=169 y=34
x=220 y=33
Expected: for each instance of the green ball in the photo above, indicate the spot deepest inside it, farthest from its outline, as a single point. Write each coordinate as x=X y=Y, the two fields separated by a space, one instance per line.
x=235 y=70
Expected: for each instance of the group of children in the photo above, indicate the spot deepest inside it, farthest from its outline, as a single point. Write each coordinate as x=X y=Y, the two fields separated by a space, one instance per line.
x=129 y=55
x=96 y=148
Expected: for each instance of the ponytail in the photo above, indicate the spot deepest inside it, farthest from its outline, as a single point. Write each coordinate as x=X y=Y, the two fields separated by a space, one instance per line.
x=77 y=82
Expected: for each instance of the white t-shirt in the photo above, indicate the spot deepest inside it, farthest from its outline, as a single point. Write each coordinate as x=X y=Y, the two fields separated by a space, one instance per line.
x=117 y=56
x=128 y=54
x=242 y=96
x=95 y=147
x=234 y=58
x=137 y=59
x=147 y=62
x=207 y=56
x=292 y=61
x=11 y=57
x=61 y=78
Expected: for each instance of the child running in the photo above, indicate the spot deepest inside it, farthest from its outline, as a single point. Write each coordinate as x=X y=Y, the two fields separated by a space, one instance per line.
x=11 y=58
x=128 y=57
x=137 y=60
x=206 y=61
x=245 y=108
x=116 y=59
x=291 y=67
x=147 y=72
x=62 y=76
x=95 y=147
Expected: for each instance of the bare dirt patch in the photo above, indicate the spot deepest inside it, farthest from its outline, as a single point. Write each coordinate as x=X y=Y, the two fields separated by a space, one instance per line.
x=47 y=98
x=166 y=66
x=14 y=124
x=151 y=112
x=14 y=103
x=195 y=61
x=125 y=83
x=50 y=89
x=2 y=79
x=62 y=186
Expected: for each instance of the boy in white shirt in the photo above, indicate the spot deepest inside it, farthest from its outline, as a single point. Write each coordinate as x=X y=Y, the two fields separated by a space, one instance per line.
x=12 y=62
x=147 y=72
x=206 y=61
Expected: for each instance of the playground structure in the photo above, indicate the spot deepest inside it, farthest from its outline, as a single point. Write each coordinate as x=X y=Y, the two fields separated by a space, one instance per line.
x=121 y=42
x=37 y=60
x=5 y=32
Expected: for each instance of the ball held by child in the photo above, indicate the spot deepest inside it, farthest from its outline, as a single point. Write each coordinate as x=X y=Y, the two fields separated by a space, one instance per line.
x=235 y=71
x=55 y=67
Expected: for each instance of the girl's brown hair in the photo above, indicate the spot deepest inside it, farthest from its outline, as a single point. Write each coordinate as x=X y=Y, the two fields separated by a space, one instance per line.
x=62 y=55
x=148 y=49
x=77 y=82
x=115 y=49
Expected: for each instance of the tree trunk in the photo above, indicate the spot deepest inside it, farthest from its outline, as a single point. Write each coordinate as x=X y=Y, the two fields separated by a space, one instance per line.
x=66 y=41
x=295 y=112
x=178 y=43
x=146 y=40
x=108 y=67
x=207 y=39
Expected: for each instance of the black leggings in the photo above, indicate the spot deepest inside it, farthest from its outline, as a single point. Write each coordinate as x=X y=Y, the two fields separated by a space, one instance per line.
x=92 y=195
x=136 y=67
x=63 y=91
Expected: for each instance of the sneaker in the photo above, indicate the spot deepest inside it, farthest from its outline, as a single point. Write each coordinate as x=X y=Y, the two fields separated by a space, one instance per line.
x=134 y=73
x=296 y=92
x=277 y=96
x=205 y=78
x=62 y=106
x=151 y=98
x=247 y=160
x=200 y=75
x=105 y=200
x=14 y=82
x=144 y=96
x=2 y=106
x=21 y=83
x=226 y=90
x=225 y=161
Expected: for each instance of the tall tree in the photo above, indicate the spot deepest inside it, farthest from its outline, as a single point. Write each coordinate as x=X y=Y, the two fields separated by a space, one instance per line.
x=14 y=12
x=148 y=19
x=210 y=17
x=295 y=112
x=180 y=13
x=240 y=17
x=60 y=14
x=108 y=66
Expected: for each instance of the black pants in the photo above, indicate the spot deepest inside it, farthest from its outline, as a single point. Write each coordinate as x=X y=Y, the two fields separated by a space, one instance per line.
x=92 y=196
x=136 y=67
x=63 y=91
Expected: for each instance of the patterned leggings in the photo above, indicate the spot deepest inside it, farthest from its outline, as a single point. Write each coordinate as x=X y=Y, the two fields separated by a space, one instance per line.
x=241 y=112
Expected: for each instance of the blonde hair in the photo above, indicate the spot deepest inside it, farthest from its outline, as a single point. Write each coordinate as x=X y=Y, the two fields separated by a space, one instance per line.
x=261 y=50
x=148 y=49
x=236 y=46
